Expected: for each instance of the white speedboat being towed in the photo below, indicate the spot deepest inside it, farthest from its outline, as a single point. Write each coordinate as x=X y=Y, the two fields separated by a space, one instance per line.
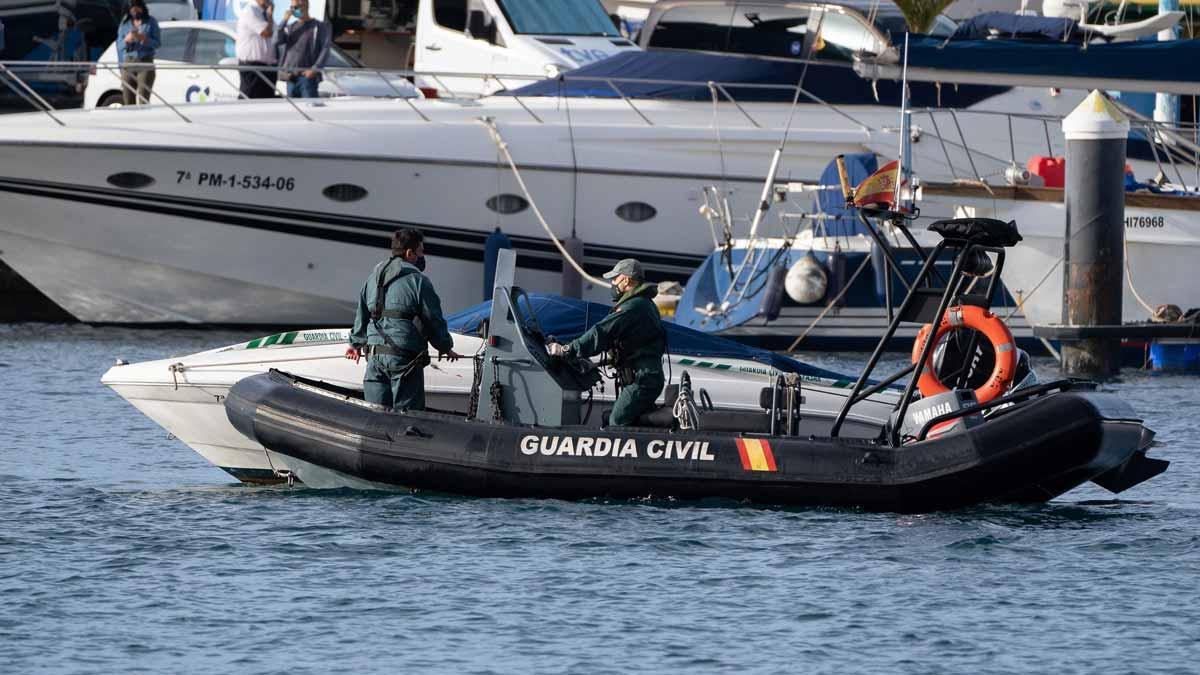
x=185 y=395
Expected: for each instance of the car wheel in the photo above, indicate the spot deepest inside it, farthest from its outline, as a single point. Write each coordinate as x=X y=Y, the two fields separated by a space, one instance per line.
x=111 y=99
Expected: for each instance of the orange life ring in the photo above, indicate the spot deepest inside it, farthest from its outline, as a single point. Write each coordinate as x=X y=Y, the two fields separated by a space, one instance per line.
x=978 y=318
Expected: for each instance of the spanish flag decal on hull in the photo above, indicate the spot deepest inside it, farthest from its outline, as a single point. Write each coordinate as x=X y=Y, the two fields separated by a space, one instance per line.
x=756 y=454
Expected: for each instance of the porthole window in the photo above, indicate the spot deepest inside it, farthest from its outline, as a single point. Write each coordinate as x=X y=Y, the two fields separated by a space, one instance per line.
x=636 y=212
x=507 y=203
x=344 y=192
x=130 y=180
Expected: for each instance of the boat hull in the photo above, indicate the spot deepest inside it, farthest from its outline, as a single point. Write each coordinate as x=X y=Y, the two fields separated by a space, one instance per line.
x=185 y=395
x=231 y=231
x=1033 y=453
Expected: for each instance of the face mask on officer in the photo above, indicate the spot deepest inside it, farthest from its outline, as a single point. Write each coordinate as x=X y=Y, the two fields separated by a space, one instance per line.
x=622 y=285
x=415 y=257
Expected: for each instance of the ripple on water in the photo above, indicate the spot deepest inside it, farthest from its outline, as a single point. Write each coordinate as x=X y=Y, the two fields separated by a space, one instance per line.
x=122 y=550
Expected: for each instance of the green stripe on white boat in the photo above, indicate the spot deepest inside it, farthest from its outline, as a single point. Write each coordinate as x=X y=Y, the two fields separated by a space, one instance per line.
x=291 y=337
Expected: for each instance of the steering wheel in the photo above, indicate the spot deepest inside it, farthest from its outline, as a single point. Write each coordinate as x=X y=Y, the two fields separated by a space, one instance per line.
x=527 y=321
x=582 y=370
x=586 y=373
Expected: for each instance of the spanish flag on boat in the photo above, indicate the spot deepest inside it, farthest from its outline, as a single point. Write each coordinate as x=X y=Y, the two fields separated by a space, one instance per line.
x=879 y=189
x=756 y=454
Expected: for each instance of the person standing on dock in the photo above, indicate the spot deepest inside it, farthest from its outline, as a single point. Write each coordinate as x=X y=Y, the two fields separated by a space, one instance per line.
x=256 y=51
x=138 y=40
x=634 y=335
x=306 y=46
x=399 y=313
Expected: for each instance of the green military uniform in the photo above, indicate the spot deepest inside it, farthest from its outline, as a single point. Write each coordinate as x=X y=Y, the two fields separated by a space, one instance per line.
x=634 y=332
x=411 y=318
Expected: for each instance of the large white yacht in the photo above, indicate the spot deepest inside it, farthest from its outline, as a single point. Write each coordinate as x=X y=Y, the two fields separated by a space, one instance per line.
x=269 y=212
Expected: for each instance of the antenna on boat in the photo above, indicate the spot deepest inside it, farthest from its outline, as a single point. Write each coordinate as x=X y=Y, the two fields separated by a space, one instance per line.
x=750 y=259
x=904 y=175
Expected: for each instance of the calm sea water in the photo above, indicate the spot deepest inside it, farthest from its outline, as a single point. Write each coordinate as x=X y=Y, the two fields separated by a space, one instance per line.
x=123 y=551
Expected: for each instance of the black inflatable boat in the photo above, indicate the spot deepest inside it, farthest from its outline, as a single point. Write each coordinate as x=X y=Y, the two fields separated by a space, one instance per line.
x=526 y=436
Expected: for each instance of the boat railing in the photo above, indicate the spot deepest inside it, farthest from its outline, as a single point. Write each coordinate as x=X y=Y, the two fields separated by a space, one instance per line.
x=1174 y=146
x=449 y=85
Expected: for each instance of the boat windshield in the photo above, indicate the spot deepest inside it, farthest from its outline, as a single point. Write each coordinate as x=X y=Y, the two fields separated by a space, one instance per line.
x=791 y=30
x=769 y=30
x=842 y=36
x=561 y=17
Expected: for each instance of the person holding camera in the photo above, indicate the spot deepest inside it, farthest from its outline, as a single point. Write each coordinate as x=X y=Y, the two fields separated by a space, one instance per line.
x=256 y=51
x=306 y=44
x=138 y=39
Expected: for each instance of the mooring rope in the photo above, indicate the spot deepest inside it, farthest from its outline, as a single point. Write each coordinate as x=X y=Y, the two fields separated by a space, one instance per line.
x=503 y=146
x=1129 y=275
x=180 y=367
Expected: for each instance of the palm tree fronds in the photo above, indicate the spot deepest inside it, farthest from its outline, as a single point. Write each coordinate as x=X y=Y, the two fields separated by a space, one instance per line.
x=920 y=14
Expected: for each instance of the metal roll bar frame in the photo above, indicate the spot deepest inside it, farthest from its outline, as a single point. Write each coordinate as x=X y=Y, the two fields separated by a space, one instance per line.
x=953 y=289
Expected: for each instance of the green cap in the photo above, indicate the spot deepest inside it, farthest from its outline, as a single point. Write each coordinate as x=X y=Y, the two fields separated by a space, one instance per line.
x=628 y=267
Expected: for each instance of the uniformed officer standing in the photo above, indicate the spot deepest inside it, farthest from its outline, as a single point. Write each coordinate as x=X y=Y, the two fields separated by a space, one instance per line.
x=398 y=314
x=634 y=334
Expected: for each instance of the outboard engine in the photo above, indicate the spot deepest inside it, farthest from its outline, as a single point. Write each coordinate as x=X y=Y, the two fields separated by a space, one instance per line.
x=929 y=407
x=1025 y=375
x=953 y=365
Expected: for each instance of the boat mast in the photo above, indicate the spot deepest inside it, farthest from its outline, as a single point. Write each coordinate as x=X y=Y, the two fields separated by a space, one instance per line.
x=1166 y=105
x=904 y=159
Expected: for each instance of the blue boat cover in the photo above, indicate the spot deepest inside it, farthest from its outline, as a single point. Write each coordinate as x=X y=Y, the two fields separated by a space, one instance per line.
x=684 y=67
x=690 y=72
x=567 y=319
x=1171 y=61
x=830 y=201
x=1017 y=26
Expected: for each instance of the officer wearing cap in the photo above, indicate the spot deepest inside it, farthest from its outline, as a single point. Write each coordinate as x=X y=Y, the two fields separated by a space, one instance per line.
x=398 y=315
x=634 y=336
